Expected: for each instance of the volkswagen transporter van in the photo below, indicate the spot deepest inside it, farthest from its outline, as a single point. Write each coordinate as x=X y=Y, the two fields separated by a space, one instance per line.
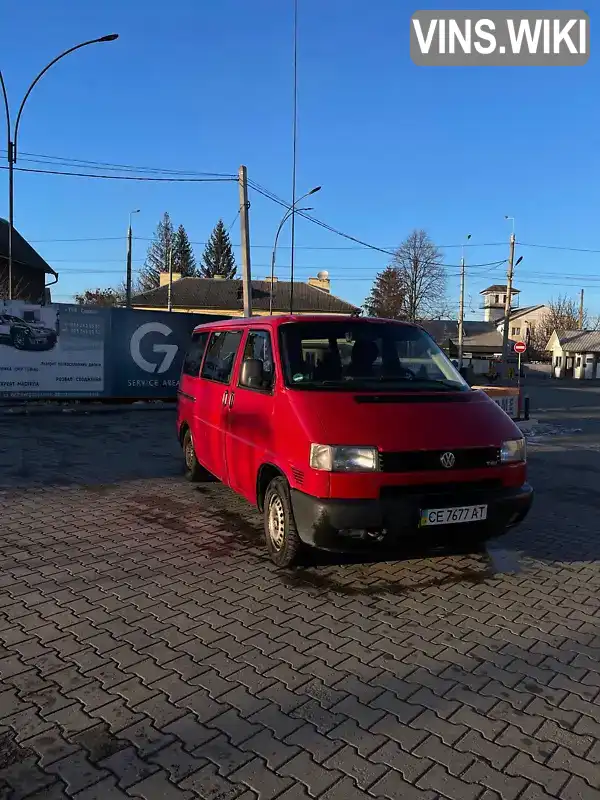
x=348 y=433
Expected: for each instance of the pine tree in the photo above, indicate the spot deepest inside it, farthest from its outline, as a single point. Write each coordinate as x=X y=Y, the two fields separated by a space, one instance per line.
x=157 y=258
x=388 y=296
x=218 y=258
x=184 y=261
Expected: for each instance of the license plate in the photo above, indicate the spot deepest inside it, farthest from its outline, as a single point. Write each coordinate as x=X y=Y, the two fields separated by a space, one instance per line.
x=452 y=516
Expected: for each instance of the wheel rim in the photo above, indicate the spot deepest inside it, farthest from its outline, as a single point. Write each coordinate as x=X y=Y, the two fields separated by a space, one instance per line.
x=276 y=522
x=190 y=456
x=19 y=340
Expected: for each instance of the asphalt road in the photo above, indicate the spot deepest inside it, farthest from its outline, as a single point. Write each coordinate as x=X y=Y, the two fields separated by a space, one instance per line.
x=148 y=648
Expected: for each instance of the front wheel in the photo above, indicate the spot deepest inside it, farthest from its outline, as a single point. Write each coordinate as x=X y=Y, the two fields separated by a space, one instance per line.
x=20 y=340
x=194 y=471
x=283 y=542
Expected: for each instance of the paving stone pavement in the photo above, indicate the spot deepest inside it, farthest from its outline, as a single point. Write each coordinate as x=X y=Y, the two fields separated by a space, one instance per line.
x=148 y=648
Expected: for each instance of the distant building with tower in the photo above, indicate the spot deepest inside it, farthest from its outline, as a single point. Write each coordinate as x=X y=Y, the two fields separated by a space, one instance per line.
x=494 y=301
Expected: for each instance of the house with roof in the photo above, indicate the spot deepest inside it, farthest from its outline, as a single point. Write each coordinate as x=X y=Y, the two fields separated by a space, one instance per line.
x=482 y=342
x=29 y=269
x=575 y=354
x=224 y=296
x=522 y=319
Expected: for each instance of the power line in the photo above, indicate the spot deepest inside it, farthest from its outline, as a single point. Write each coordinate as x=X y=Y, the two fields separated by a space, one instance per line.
x=198 y=176
x=123 y=177
x=91 y=239
x=341 y=267
x=557 y=247
x=65 y=161
x=255 y=246
x=273 y=197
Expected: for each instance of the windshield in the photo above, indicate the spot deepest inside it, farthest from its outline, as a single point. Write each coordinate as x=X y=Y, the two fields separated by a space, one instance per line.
x=351 y=355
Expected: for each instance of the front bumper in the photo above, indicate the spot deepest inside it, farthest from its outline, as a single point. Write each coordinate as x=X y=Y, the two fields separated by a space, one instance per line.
x=327 y=524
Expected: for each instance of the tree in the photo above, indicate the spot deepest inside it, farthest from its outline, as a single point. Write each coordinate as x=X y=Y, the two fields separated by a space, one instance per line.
x=184 y=261
x=387 y=298
x=98 y=297
x=419 y=265
x=157 y=258
x=218 y=258
x=562 y=315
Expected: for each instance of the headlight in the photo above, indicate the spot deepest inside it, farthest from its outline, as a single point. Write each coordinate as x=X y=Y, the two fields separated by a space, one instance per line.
x=513 y=450
x=344 y=459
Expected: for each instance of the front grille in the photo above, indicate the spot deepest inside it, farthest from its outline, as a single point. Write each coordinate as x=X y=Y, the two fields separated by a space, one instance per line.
x=427 y=460
x=463 y=489
x=415 y=397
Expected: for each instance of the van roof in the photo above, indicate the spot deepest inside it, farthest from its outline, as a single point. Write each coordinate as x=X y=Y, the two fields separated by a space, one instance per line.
x=282 y=319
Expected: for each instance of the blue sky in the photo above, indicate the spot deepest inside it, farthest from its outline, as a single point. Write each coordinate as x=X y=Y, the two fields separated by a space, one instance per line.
x=208 y=85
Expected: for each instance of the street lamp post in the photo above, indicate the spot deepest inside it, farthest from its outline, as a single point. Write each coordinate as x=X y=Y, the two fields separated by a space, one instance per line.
x=461 y=311
x=289 y=212
x=129 y=249
x=12 y=139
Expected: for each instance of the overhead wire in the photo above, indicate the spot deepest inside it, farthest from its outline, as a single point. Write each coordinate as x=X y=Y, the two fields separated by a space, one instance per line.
x=65 y=161
x=122 y=177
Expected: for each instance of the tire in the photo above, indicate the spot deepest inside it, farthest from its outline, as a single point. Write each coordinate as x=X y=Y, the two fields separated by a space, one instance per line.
x=20 y=340
x=283 y=542
x=194 y=471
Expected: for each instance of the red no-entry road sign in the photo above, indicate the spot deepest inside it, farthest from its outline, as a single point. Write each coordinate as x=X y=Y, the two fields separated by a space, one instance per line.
x=520 y=347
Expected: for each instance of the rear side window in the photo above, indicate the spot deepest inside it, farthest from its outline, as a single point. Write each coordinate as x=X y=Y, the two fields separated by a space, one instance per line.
x=193 y=357
x=220 y=355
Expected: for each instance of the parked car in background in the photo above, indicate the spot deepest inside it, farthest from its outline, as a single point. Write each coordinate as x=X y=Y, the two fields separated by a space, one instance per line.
x=25 y=335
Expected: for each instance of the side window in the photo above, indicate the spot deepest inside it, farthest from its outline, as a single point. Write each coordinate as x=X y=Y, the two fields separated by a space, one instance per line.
x=193 y=357
x=220 y=355
x=258 y=348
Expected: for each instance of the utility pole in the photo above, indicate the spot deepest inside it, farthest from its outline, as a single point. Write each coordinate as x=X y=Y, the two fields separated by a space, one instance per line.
x=170 y=295
x=581 y=312
x=507 y=304
x=245 y=239
x=129 y=249
x=461 y=310
x=129 y=237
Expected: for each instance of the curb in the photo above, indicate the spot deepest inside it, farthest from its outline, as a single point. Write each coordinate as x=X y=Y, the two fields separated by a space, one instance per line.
x=526 y=425
x=83 y=409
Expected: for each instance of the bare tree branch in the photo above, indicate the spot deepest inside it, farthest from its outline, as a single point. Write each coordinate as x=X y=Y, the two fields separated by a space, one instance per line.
x=562 y=315
x=419 y=265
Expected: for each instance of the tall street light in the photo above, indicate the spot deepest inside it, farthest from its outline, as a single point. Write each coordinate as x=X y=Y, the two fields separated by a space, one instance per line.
x=129 y=248
x=289 y=213
x=461 y=311
x=12 y=139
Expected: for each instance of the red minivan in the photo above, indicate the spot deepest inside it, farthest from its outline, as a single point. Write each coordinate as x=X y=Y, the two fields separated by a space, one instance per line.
x=348 y=433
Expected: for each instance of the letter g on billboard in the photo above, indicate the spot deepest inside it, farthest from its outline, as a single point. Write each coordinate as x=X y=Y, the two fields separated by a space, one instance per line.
x=168 y=351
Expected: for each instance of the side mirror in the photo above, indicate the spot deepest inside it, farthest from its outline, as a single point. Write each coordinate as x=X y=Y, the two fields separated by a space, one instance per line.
x=252 y=373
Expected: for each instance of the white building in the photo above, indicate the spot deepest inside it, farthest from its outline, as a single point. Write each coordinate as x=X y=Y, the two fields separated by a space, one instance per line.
x=575 y=354
x=494 y=300
x=522 y=320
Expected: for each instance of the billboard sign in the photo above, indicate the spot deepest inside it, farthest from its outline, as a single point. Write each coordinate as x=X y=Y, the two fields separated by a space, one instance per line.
x=52 y=351
x=147 y=349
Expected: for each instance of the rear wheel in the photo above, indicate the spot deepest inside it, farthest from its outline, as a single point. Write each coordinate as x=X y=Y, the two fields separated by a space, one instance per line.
x=283 y=542
x=194 y=471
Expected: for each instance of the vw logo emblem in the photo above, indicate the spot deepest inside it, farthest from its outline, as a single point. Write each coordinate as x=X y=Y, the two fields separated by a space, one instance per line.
x=448 y=460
